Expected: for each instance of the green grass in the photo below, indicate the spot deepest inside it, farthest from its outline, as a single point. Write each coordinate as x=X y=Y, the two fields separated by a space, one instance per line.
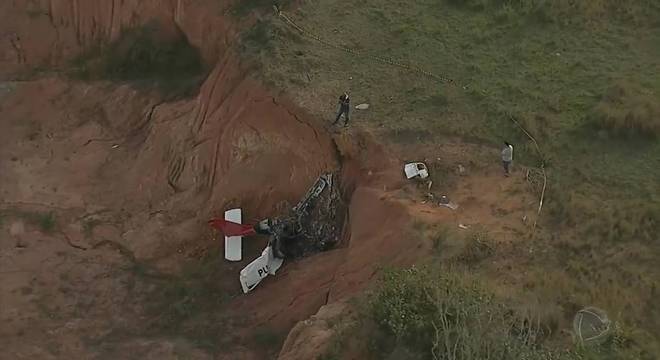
x=88 y=226
x=35 y=13
x=550 y=76
x=191 y=305
x=45 y=221
x=583 y=77
x=245 y=7
x=546 y=74
x=567 y=11
x=478 y=247
x=267 y=338
x=626 y=111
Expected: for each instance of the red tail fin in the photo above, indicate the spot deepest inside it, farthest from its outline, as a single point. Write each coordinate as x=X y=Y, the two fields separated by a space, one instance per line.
x=229 y=228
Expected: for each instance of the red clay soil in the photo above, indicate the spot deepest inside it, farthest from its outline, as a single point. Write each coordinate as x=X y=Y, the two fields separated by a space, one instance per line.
x=130 y=179
x=45 y=34
x=145 y=174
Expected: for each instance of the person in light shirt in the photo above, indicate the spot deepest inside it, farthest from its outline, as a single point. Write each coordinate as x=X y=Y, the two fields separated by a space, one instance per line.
x=507 y=158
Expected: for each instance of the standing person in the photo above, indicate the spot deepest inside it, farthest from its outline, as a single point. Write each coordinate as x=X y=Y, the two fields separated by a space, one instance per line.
x=344 y=108
x=507 y=158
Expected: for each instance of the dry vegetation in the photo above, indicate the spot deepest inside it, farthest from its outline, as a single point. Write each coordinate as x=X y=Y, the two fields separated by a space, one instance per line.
x=446 y=316
x=557 y=67
x=567 y=11
x=626 y=110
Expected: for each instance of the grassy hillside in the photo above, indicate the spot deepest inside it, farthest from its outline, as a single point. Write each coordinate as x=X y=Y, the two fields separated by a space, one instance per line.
x=583 y=77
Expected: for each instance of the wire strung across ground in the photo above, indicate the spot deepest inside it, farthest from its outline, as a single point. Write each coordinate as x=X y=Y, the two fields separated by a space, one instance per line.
x=379 y=59
x=415 y=69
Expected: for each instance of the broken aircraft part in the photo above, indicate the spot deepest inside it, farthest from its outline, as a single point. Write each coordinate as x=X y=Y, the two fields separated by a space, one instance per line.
x=257 y=270
x=416 y=169
x=318 y=187
x=313 y=225
x=233 y=244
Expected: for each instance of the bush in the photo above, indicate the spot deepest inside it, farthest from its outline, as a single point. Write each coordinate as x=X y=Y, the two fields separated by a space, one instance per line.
x=267 y=338
x=445 y=316
x=144 y=54
x=478 y=246
x=46 y=222
x=625 y=110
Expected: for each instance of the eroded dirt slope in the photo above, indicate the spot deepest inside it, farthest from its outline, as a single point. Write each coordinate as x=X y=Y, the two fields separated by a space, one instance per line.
x=45 y=34
x=106 y=188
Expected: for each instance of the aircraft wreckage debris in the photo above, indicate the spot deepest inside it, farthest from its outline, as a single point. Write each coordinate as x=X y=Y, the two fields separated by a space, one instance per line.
x=314 y=224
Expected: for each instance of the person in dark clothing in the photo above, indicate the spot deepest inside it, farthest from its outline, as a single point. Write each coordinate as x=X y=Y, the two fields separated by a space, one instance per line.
x=344 y=108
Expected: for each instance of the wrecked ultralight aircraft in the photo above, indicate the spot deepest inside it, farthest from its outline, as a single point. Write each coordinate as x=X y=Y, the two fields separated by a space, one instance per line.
x=280 y=232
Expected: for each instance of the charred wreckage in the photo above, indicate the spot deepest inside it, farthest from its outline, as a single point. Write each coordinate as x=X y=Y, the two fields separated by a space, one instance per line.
x=312 y=225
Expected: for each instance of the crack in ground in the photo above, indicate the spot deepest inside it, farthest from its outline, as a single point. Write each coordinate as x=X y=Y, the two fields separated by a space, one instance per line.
x=295 y=116
x=71 y=243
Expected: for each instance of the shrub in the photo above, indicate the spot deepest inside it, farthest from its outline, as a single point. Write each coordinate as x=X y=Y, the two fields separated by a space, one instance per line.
x=267 y=338
x=446 y=316
x=259 y=37
x=144 y=54
x=625 y=110
x=477 y=247
x=46 y=222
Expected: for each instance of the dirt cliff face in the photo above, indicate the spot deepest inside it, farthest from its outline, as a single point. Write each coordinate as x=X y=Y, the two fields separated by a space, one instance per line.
x=106 y=188
x=45 y=34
